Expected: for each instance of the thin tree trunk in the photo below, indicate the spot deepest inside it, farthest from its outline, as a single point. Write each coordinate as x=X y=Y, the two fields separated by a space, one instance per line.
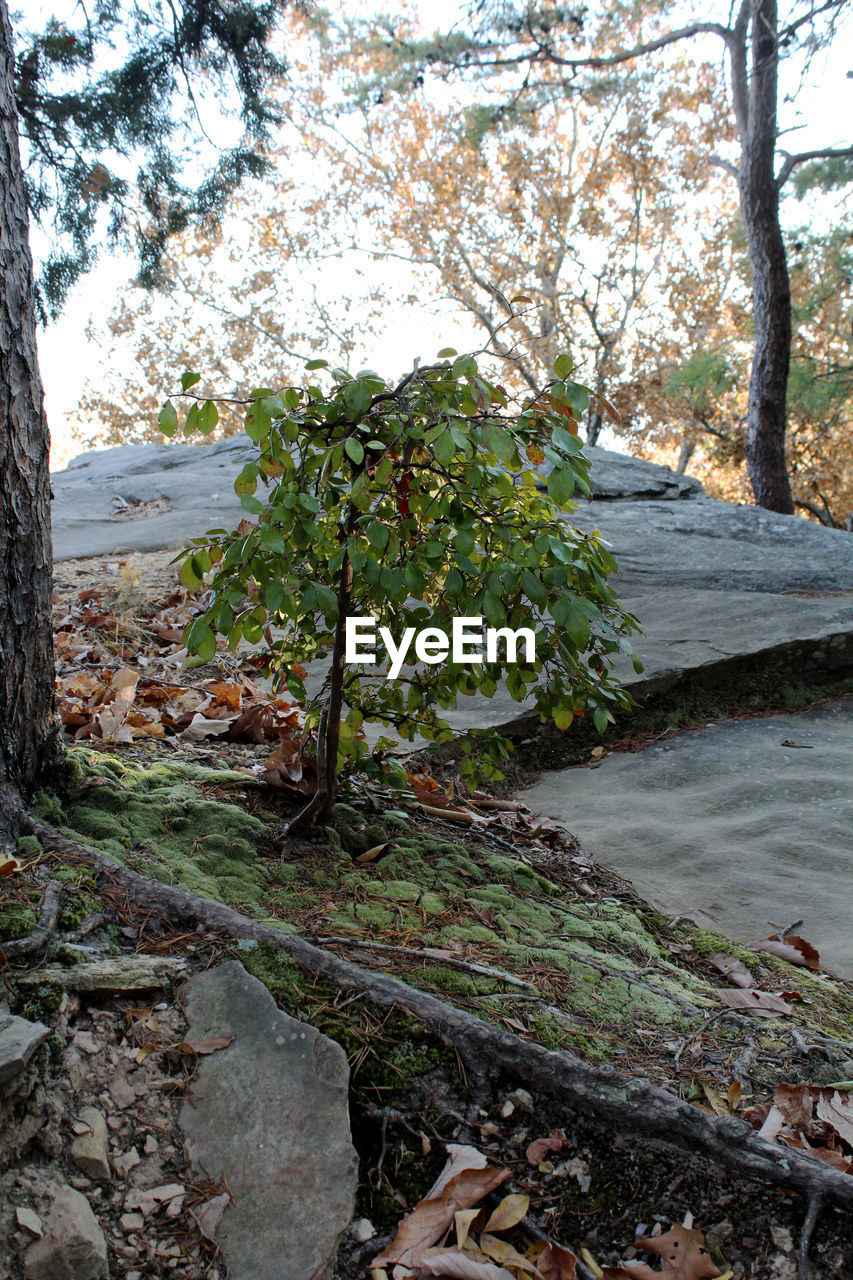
x=685 y=453
x=26 y=643
x=320 y=807
x=771 y=289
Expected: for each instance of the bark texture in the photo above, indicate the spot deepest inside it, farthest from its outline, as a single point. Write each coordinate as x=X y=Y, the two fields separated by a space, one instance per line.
x=756 y=107
x=26 y=642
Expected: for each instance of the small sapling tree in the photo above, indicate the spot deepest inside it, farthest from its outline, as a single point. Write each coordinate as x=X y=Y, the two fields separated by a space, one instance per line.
x=413 y=504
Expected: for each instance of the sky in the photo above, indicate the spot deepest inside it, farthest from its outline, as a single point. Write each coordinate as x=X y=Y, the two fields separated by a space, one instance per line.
x=69 y=359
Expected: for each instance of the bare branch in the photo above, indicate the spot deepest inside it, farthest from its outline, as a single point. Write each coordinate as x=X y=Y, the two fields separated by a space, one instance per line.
x=790 y=162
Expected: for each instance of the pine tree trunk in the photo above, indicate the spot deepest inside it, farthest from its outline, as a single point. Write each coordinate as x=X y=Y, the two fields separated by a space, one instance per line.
x=771 y=289
x=26 y=651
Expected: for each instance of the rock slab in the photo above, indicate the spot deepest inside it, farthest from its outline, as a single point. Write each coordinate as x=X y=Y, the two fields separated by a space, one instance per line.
x=19 y=1040
x=746 y=825
x=270 y=1114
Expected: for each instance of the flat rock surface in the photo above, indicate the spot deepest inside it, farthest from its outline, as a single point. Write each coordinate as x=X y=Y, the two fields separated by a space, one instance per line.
x=744 y=825
x=19 y=1040
x=710 y=582
x=269 y=1114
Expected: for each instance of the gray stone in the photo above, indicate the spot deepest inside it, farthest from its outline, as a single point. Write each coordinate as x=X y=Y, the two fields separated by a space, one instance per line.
x=89 y=1150
x=73 y=1246
x=110 y=973
x=746 y=826
x=712 y=584
x=19 y=1040
x=92 y=496
x=270 y=1115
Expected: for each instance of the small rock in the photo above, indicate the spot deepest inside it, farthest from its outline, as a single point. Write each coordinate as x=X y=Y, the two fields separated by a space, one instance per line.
x=782 y=1238
x=149 y=1200
x=29 y=1221
x=507 y=1109
x=124 y=1163
x=73 y=1246
x=121 y=1092
x=362 y=1230
x=209 y=1214
x=89 y=1150
x=150 y=1146
x=19 y=1040
x=132 y=1222
x=521 y=1098
x=85 y=1041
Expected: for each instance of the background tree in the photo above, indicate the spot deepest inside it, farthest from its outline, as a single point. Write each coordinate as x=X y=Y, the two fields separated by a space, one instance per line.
x=117 y=110
x=132 y=105
x=524 y=42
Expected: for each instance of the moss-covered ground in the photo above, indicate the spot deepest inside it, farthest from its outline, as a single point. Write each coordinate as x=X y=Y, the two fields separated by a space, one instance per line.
x=577 y=962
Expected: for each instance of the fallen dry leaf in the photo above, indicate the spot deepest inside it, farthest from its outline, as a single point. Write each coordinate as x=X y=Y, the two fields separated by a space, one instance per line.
x=540 y=1147
x=464 y=1181
x=734 y=969
x=502 y=1252
x=763 y=1004
x=208 y=1044
x=459 y=1265
x=836 y=1110
x=793 y=949
x=509 y=1212
x=9 y=866
x=556 y=1263
x=683 y=1253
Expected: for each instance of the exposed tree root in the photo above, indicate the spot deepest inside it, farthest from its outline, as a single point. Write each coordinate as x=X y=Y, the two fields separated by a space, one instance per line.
x=812 y=1215
x=45 y=928
x=632 y=1106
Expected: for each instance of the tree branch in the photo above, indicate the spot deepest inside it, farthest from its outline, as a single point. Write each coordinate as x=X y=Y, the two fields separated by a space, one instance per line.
x=827 y=153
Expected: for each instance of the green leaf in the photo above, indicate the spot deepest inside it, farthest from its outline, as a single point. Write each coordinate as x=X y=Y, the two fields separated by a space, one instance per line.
x=377 y=535
x=167 y=419
x=454 y=583
x=258 y=422
x=563 y=366
x=533 y=587
x=208 y=417
x=354 y=449
x=563 y=716
x=357 y=399
x=192 y=420
x=361 y=498
x=272 y=539
x=189 y=380
x=444 y=448
x=201 y=641
x=317 y=364
x=601 y=719
x=465 y=541
x=499 y=441
x=247 y=480
x=464 y=367
x=414 y=580
x=561 y=485
x=446 y=353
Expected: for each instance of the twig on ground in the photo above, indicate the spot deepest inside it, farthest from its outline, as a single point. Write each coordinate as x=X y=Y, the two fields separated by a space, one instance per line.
x=432 y=954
